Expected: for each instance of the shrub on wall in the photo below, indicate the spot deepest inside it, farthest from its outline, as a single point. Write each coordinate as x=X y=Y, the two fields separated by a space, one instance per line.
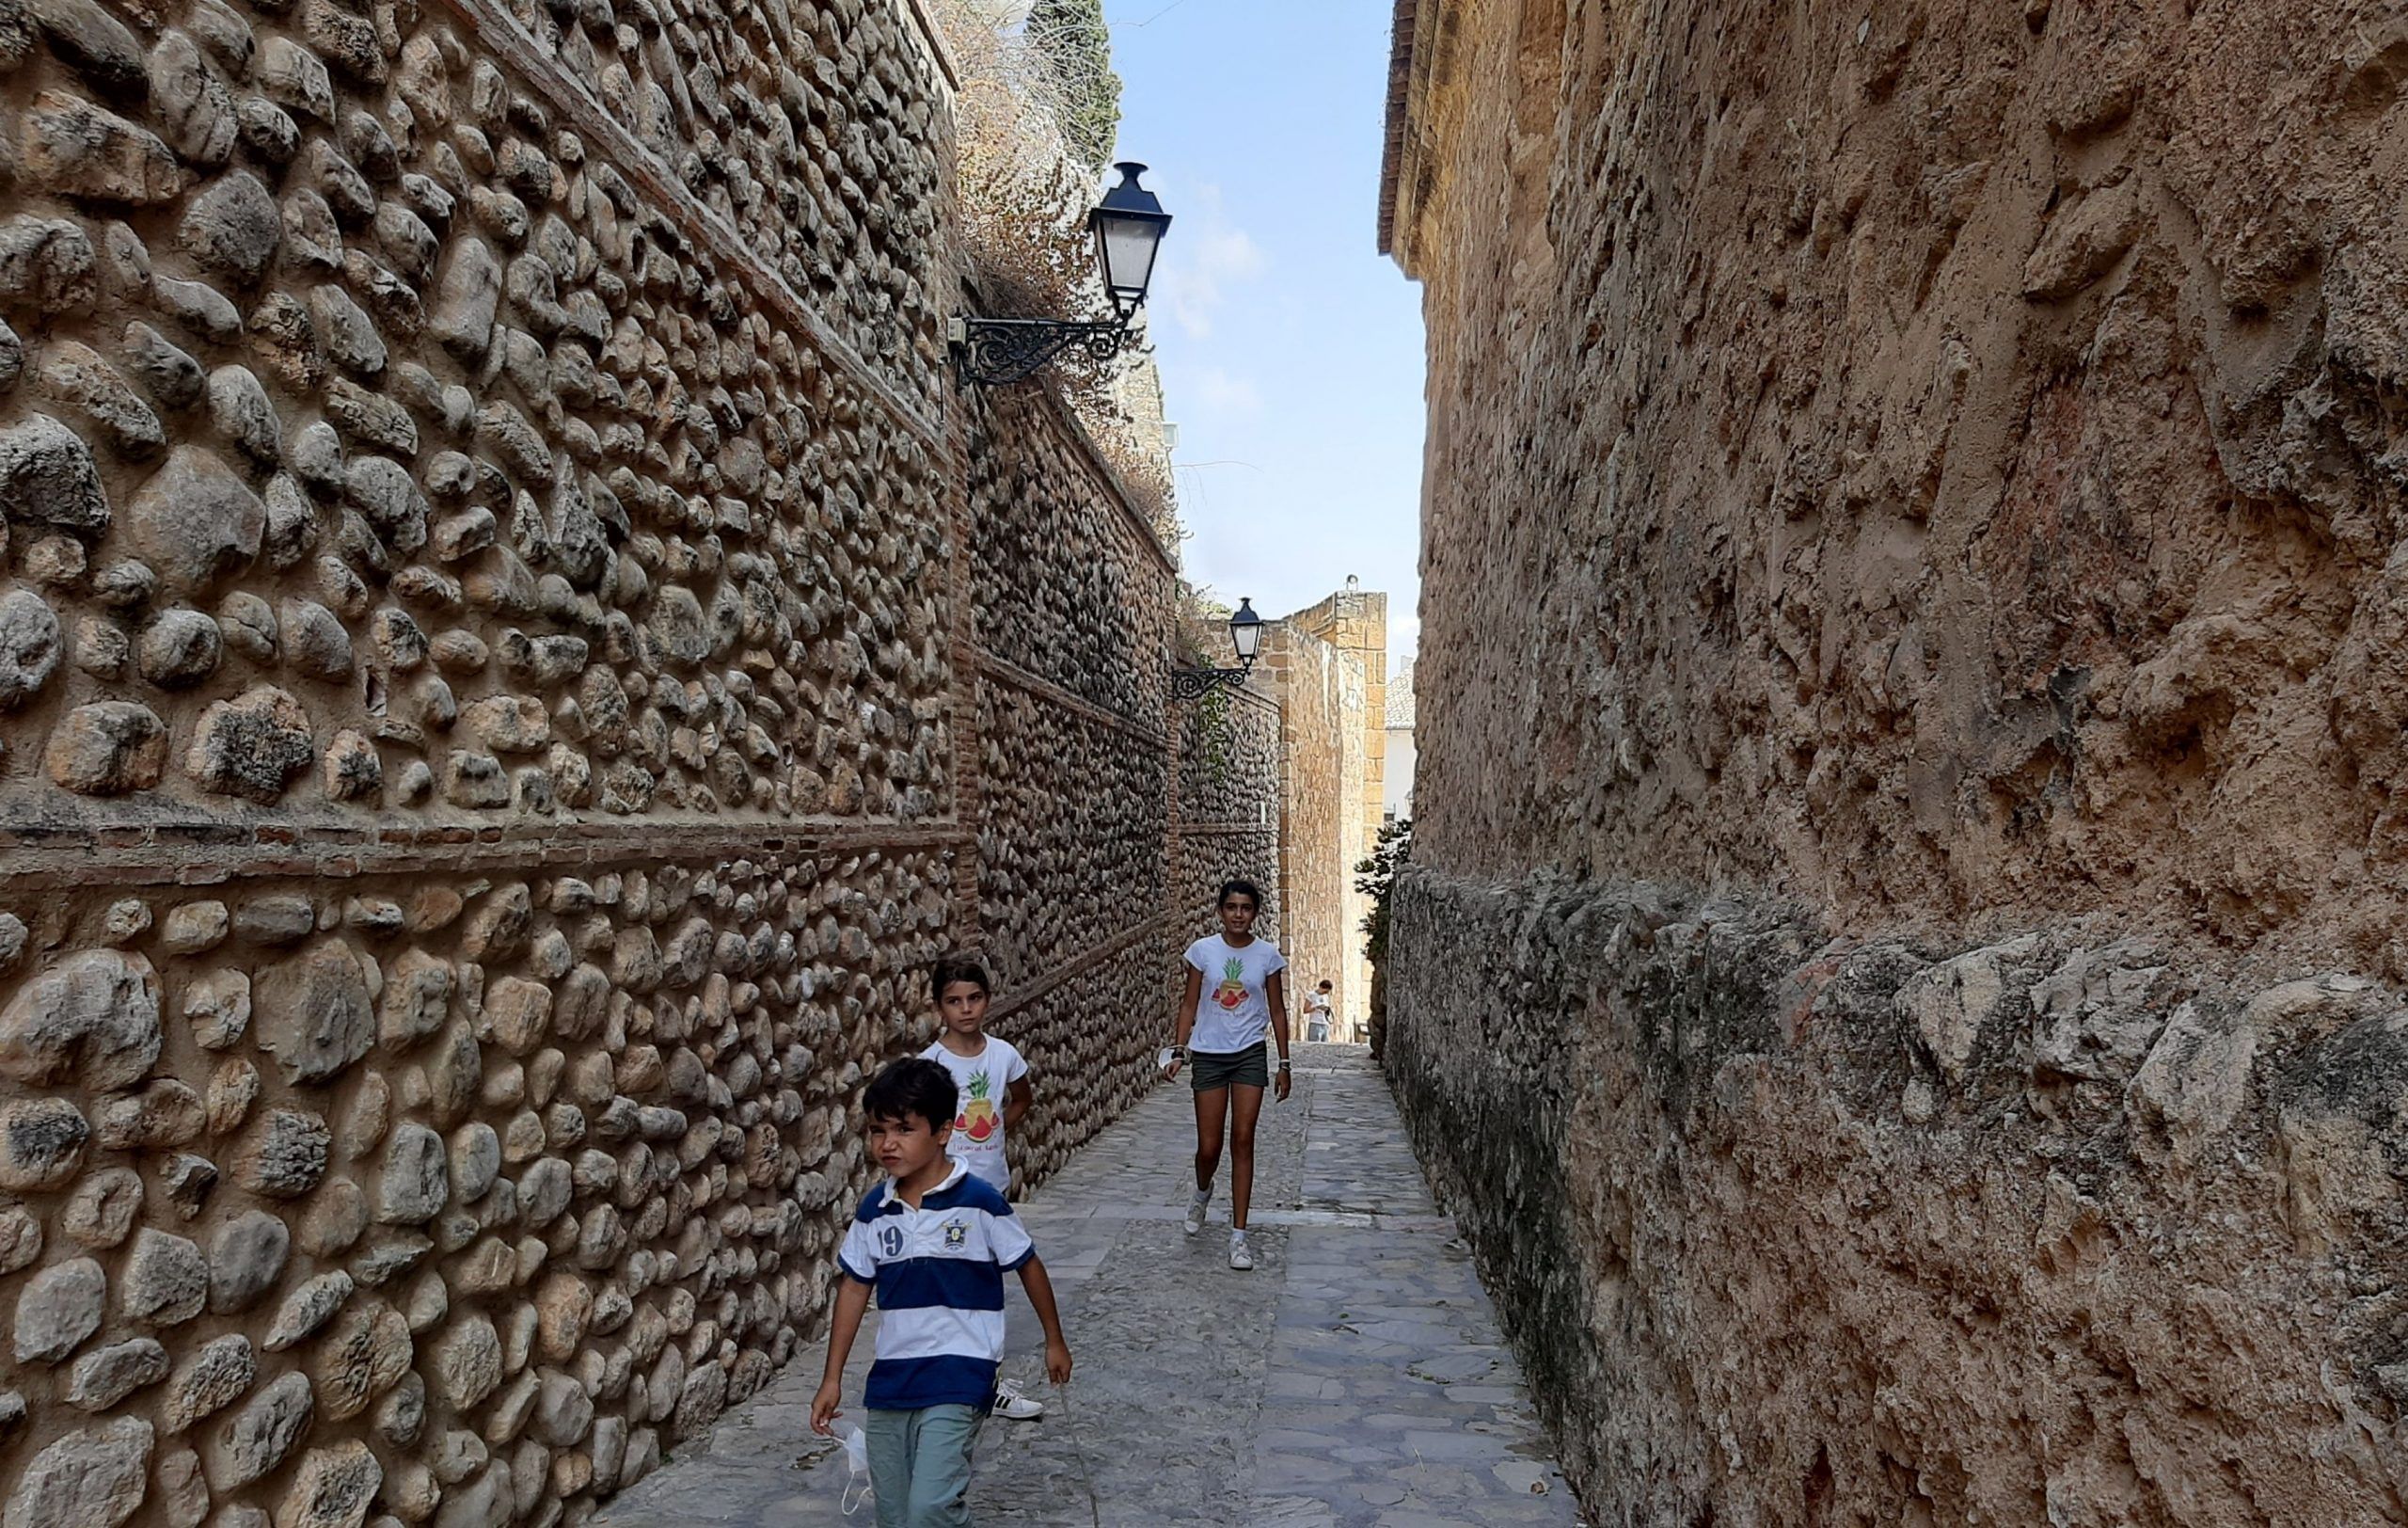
x=1376 y=878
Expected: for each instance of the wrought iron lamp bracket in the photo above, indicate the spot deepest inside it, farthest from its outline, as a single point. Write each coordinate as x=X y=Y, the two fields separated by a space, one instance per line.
x=1195 y=684
x=995 y=351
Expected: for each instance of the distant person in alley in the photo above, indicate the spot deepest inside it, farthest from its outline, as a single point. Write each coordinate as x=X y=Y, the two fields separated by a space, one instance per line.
x=935 y=1241
x=1317 y=1013
x=1233 y=997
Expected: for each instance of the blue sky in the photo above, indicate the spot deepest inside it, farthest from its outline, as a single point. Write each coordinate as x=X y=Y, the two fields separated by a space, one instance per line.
x=1291 y=349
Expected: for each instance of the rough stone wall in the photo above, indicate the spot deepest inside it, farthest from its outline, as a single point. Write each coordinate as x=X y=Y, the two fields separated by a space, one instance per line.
x=1932 y=467
x=1939 y=458
x=495 y=723
x=1793 y=1230
x=1321 y=839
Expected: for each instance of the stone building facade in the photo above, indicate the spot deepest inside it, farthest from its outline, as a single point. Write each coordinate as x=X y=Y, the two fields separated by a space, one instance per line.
x=1319 y=691
x=1396 y=763
x=1354 y=622
x=1327 y=664
x=514 y=654
x=1903 y=889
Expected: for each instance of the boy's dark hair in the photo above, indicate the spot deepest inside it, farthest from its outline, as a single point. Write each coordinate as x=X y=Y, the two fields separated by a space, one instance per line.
x=918 y=1088
x=955 y=968
x=1325 y=985
x=1240 y=887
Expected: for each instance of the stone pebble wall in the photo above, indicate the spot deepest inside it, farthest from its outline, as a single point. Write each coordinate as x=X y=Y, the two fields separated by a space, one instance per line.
x=452 y=1200
x=1229 y=813
x=489 y=740
x=1794 y=1230
x=1070 y=584
x=1070 y=635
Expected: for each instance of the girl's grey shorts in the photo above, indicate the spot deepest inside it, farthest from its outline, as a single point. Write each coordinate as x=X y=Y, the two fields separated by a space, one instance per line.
x=1210 y=1070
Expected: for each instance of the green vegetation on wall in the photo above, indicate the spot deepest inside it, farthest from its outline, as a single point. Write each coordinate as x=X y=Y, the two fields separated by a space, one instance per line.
x=1376 y=878
x=1077 y=46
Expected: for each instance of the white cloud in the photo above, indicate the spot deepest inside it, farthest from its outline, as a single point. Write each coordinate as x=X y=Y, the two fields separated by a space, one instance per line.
x=1204 y=255
x=1219 y=392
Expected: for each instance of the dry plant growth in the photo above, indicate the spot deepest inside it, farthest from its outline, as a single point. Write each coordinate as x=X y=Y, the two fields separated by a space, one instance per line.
x=1034 y=126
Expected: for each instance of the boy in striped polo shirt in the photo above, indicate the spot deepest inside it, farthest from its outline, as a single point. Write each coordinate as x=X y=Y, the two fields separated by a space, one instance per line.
x=935 y=1241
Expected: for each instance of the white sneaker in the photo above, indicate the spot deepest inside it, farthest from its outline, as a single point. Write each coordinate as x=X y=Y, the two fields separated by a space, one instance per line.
x=1012 y=1402
x=1196 y=1204
x=1240 y=1255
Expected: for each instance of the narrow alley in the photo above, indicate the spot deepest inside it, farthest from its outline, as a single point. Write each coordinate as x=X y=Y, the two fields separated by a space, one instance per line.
x=1356 y=1376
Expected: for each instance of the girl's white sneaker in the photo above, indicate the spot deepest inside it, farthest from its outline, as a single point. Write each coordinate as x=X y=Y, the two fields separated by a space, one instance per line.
x=1196 y=1204
x=1240 y=1255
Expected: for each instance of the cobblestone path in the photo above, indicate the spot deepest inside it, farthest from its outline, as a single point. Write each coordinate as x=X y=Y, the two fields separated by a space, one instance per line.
x=1356 y=1376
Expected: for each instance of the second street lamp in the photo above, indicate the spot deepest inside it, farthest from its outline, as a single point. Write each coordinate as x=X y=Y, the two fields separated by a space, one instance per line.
x=1128 y=226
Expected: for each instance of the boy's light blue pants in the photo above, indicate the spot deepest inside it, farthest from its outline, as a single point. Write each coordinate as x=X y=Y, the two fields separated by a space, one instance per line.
x=919 y=1465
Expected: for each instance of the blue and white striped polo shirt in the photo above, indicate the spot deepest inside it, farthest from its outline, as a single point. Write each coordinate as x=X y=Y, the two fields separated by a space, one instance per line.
x=939 y=1275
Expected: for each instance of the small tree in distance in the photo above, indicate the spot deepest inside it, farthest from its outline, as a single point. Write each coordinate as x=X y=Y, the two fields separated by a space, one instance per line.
x=1376 y=877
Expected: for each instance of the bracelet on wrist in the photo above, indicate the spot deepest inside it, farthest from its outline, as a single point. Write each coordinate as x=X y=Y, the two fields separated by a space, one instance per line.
x=1283 y=1063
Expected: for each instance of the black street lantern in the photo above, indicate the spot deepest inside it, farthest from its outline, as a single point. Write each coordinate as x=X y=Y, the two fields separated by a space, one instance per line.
x=1246 y=636
x=1246 y=632
x=1128 y=226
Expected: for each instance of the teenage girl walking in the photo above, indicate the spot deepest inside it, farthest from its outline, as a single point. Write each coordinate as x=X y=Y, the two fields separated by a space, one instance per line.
x=1234 y=984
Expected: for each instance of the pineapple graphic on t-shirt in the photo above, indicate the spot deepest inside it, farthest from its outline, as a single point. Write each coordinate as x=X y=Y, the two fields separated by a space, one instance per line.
x=1231 y=991
x=978 y=1121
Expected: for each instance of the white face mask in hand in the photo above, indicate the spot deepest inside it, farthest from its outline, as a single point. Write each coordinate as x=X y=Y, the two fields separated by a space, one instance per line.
x=856 y=1472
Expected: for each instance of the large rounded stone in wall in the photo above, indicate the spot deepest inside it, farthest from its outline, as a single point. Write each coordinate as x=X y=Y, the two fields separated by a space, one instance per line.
x=47 y=477
x=90 y=1021
x=251 y=746
x=313 y=1012
x=91 y=1479
x=107 y=748
x=246 y=1258
x=41 y=1143
x=414 y=1184
x=231 y=227
x=29 y=647
x=197 y=521
x=58 y=1308
x=263 y=1433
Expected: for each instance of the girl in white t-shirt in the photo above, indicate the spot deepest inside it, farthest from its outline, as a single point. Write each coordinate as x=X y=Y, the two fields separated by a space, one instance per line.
x=1225 y=1023
x=992 y=1096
